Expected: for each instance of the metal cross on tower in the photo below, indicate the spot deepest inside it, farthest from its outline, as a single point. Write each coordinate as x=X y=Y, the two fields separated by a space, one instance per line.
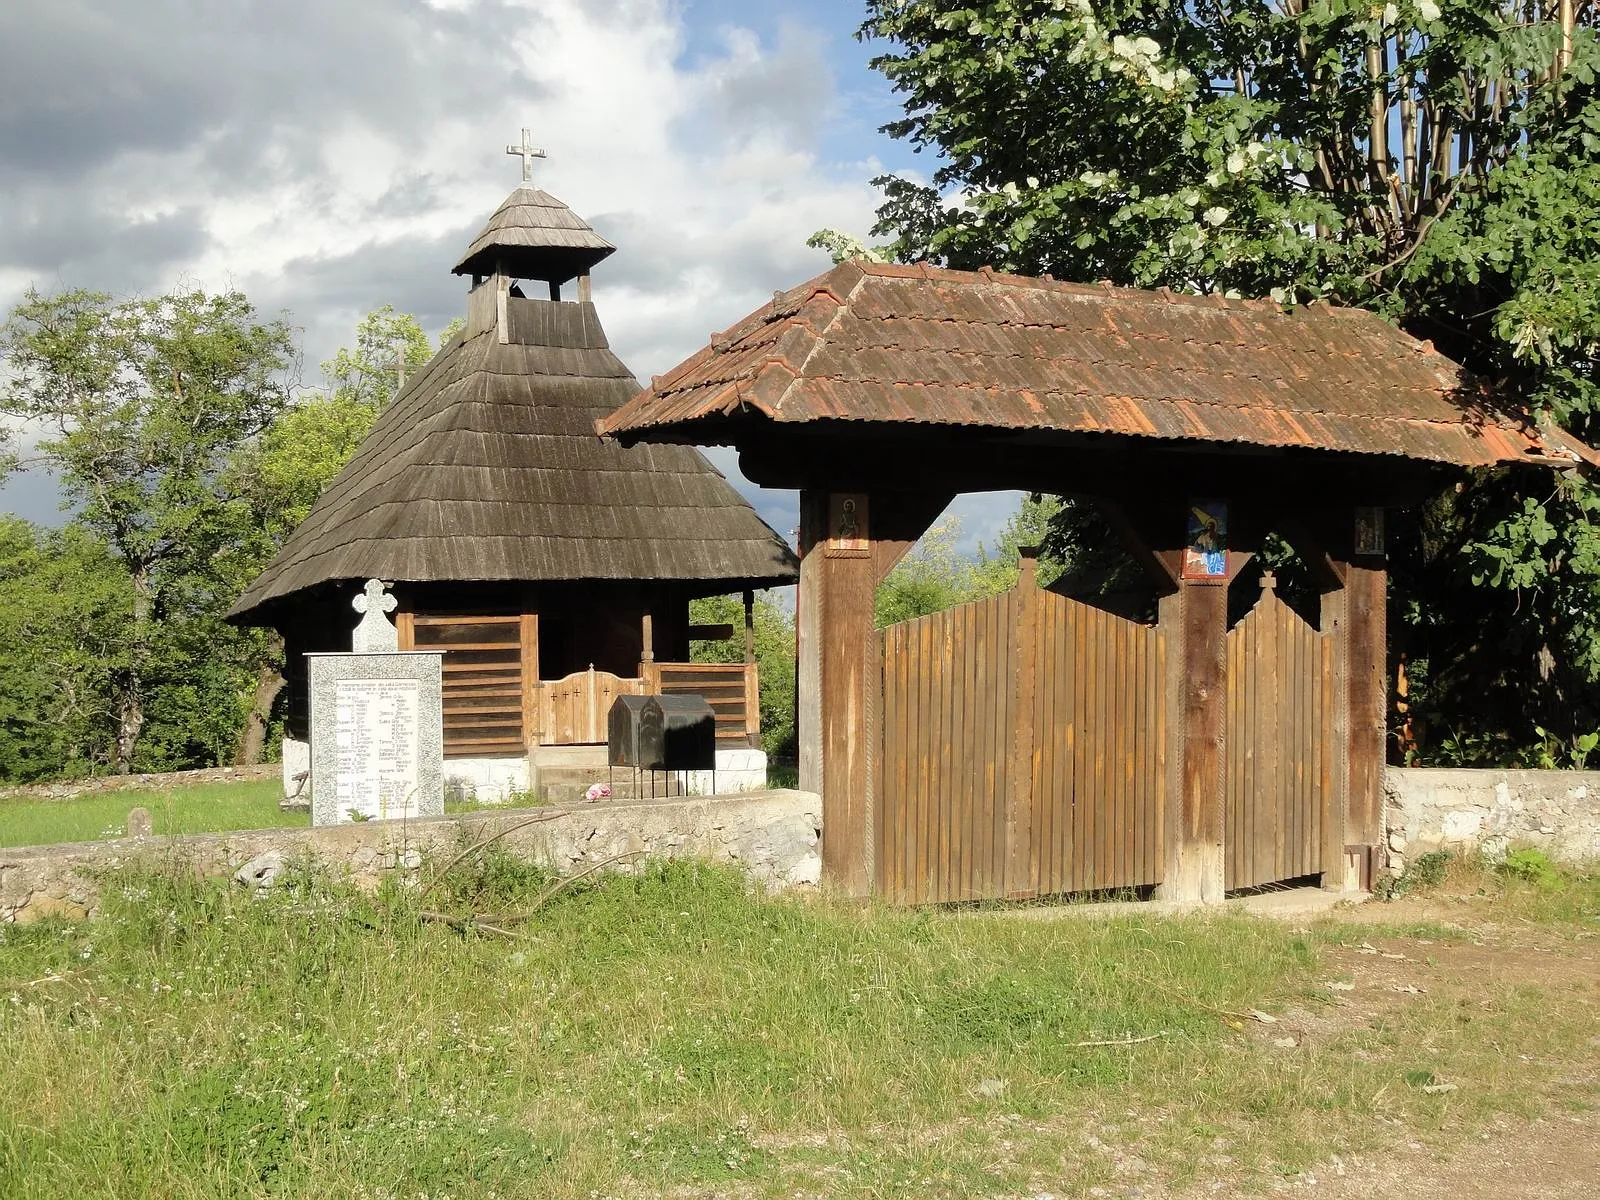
x=527 y=151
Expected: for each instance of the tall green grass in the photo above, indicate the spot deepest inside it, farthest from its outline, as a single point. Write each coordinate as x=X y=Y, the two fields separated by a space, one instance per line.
x=670 y=1031
x=193 y=808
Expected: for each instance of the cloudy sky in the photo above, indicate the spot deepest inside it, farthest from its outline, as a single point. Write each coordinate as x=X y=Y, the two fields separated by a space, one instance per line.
x=327 y=158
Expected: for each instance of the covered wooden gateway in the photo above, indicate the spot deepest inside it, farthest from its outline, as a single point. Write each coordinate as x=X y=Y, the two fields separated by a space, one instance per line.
x=554 y=568
x=1034 y=744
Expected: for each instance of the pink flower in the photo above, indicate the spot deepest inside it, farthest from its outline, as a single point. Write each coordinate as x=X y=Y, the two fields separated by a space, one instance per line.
x=598 y=791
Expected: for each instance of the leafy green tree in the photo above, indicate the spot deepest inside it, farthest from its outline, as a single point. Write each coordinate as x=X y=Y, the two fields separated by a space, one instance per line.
x=1434 y=160
x=64 y=603
x=284 y=471
x=390 y=348
x=936 y=575
x=144 y=404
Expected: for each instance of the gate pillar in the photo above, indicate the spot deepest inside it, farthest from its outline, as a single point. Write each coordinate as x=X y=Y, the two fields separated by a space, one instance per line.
x=848 y=542
x=1195 y=618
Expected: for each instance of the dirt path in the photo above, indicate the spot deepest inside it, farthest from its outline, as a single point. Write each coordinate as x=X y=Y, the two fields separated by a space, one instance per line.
x=1554 y=1156
x=1549 y=1159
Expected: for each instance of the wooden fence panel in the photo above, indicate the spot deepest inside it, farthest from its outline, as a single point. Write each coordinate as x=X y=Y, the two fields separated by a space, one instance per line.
x=1081 y=771
x=1099 y=790
x=1279 y=764
x=942 y=769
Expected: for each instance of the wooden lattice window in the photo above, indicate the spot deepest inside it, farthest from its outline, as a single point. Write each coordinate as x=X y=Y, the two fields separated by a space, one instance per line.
x=483 y=681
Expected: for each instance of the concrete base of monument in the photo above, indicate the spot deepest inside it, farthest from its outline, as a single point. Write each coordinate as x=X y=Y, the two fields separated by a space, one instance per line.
x=774 y=835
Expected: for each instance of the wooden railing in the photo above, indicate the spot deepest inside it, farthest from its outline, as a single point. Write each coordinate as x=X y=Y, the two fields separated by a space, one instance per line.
x=574 y=710
x=732 y=690
x=483 y=680
x=495 y=705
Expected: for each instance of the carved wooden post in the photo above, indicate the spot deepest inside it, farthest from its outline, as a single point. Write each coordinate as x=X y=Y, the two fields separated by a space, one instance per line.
x=808 y=614
x=848 y=542
x=1366 y=633
x=1196 y=622
x=1193 y=618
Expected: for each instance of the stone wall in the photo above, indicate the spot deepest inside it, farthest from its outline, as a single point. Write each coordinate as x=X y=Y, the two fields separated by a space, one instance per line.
x=1429 y=809
x=774 y=835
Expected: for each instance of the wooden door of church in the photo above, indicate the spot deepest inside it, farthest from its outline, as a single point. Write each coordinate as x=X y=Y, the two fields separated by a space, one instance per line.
x=1279 y=758
x=1020 y=752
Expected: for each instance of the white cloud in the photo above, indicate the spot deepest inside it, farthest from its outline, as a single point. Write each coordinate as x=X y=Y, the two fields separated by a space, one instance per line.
x=707 y=174
x=275 y=147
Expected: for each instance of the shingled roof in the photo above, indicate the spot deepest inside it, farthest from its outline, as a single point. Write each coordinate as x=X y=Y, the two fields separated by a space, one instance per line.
x=486 y=467
x=532 y=235
x=875 y=342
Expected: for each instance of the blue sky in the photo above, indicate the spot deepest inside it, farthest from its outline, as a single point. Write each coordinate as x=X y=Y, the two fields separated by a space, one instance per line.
x=327 y=159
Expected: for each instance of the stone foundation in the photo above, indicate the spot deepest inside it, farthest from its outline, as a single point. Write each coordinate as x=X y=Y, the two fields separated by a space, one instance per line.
x=486 y=780
x=496 y=780
x=738 y=770
x=774 y=835
x=1435 y=809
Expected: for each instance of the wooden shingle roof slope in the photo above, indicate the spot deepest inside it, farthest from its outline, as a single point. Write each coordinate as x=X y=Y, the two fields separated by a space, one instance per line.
x=875 y=342
x=532 y=235
x=486 y=467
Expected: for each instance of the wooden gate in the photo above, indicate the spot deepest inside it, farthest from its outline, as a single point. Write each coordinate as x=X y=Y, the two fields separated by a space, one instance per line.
x=1279 y=748
x=1021 y=752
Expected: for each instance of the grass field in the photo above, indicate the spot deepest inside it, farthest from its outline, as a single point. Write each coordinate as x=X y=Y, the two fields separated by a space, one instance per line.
x=675 y=1034
x=196 y=808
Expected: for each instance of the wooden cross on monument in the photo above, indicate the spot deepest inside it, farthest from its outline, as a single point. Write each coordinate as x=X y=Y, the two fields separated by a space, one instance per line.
x=527 y=151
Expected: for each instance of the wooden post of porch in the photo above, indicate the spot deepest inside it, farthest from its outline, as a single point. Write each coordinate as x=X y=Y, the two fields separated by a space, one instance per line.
x=1020 y=881
x=752 y=682
x=647 y=654
x=1354 y=576
x=749 y=626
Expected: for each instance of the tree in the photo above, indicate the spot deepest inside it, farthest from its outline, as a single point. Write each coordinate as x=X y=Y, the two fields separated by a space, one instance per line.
x=390 y=348
x=64 y=603
x=1434 y=160
x=144 y=404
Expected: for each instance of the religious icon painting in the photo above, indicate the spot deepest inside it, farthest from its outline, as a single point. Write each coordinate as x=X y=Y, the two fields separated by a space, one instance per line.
x=1369 y=533
x=1205 y=554
x=847 y=525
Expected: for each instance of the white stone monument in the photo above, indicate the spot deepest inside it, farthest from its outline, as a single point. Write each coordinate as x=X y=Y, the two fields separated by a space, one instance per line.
x=377 y=724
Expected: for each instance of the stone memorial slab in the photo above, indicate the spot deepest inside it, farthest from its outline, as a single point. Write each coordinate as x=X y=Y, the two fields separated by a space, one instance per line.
x=377 y=736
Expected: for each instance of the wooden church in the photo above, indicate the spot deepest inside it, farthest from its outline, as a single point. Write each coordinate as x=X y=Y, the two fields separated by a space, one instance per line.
x=553 y=568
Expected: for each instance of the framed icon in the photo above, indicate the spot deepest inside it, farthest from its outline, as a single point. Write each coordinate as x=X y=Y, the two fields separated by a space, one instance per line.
x=1205 y=553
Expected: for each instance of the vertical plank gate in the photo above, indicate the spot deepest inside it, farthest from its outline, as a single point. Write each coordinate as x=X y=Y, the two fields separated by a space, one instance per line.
x=1279 y=751
x=1022 y=752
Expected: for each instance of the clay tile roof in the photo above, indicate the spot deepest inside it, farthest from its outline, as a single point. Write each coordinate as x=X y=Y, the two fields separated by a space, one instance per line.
x=880 y=342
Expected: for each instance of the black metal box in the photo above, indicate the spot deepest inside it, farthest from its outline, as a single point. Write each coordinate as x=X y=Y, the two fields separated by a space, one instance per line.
x=625 y=733
x=688 y=733
x=662 y=733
